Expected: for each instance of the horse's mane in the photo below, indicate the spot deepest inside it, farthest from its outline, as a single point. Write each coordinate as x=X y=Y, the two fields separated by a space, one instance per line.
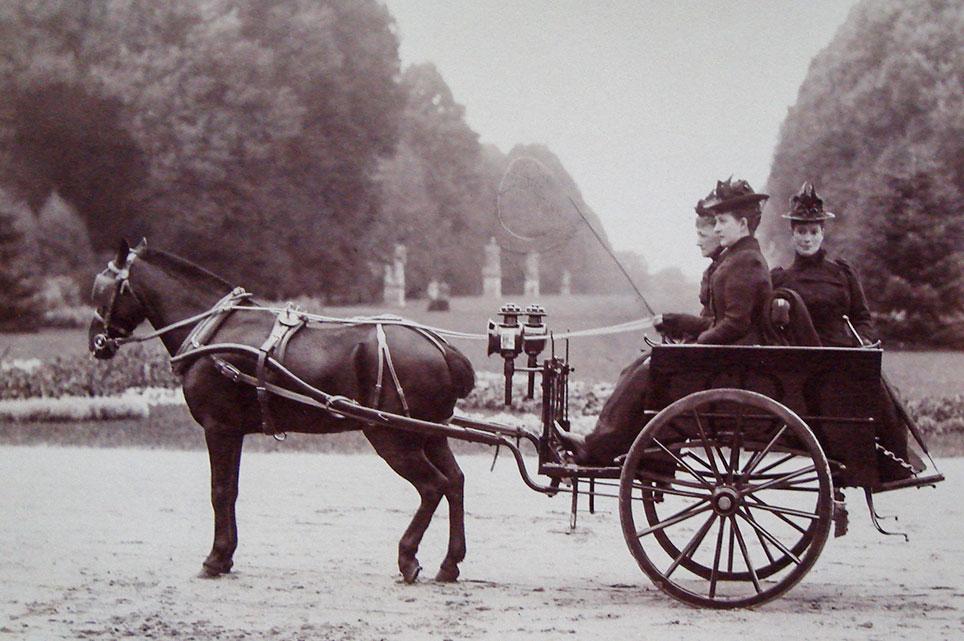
x=182 y=268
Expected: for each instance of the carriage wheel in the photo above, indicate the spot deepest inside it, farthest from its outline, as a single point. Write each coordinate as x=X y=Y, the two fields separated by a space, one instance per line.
x=725 y=499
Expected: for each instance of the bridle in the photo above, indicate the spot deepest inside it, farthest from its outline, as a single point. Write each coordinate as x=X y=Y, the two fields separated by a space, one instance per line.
x=104 y=340
x=114 y=335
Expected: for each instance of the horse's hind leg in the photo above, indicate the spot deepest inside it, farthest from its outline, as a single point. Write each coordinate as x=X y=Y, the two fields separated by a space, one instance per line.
x=438 y=452
x=403 y=452
x=224 y=451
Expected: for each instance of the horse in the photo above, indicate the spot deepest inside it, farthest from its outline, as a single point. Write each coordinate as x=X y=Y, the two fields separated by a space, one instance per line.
x=346 y=359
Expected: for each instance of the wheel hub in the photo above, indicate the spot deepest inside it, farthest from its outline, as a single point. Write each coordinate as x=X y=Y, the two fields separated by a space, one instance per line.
x=726 y=501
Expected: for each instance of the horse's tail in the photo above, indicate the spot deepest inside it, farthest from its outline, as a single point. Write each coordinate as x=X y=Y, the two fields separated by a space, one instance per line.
x=460 y=369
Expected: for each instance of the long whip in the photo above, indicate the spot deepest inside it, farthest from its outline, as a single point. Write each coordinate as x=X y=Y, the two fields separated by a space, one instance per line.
x=612 y=255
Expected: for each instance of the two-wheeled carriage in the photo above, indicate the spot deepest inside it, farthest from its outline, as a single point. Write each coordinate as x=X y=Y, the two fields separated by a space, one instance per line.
x=726 y=496
x=729 y=492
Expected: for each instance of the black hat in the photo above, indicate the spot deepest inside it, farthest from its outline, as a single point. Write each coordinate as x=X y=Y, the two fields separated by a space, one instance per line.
x=701 y=205
x=730 y=196
x=807 y=206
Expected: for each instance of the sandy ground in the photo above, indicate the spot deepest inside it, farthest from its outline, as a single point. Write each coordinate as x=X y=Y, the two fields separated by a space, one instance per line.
x=107 y=544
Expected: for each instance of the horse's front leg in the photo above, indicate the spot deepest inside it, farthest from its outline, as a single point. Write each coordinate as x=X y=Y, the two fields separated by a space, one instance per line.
x=224 y=451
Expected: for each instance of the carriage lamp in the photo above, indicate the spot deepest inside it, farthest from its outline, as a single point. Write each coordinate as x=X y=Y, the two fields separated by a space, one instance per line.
x=534 y=341
x=505 y=338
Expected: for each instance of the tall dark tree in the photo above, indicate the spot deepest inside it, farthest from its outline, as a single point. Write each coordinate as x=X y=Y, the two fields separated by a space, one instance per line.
x=19 y=305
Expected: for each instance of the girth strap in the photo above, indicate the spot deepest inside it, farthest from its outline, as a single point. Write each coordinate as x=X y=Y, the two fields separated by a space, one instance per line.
x=385 y=359
x=286 y=324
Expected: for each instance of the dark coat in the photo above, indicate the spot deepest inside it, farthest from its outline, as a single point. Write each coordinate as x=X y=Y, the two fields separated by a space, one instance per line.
x=688 y=326
x=739 y=290
x=831 y=289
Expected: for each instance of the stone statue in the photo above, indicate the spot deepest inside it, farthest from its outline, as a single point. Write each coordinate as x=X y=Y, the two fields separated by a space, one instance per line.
x=492 y=270
x=531 y=287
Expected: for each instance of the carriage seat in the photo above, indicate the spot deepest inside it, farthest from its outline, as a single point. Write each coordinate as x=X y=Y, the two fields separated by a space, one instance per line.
x=787 y=320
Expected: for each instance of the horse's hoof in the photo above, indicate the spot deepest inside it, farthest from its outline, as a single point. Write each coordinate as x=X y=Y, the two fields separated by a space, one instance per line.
x=410 y=573
x=447 y=575
x=211 y=570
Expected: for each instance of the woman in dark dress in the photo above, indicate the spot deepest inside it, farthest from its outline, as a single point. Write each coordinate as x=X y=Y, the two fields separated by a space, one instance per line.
x=738 y=286
x=829 y=286
x=831 y=290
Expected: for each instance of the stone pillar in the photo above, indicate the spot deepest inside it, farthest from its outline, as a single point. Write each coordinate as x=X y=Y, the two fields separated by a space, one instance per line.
x=565 y=284
x=492 y=270
x=394 y=279
x=531 y=287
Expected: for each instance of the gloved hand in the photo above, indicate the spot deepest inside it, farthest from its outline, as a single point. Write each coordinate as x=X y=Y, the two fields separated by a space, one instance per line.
x=668 y=324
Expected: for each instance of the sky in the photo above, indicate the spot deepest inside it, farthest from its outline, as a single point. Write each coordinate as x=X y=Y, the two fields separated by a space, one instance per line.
x=646 y=103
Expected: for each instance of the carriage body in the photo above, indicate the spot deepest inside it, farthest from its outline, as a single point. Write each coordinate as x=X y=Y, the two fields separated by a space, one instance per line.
x=835 y=391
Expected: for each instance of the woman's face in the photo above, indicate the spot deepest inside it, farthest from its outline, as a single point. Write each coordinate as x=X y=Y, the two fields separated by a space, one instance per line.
x=807 y=238
x=730 y=229
x=706 y=239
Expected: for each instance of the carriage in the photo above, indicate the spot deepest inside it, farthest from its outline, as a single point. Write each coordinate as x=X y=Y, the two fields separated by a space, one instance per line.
x=726 y=497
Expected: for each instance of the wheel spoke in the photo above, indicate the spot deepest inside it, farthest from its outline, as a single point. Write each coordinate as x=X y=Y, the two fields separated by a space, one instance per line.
x=691 y=547
x=772 y=539
x=780 y=461
x=763 y=544
x=735 y=445
x=683 y=464
x=729 y=561
x=813 y=516
x=746 y=556
x=779 y=516
x=760 y=454
x=706 y=447
x=679 y=517
x=782 y=480
x=670 y=490
x=716 y=558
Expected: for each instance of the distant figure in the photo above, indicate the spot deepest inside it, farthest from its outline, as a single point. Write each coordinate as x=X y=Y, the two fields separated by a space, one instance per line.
x=438 y=296
x=393 y=281
x=492 y=270
x=531 y=287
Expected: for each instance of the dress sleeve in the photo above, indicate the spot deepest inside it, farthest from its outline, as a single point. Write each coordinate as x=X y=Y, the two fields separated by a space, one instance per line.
x=859 y=313
x=741 y=290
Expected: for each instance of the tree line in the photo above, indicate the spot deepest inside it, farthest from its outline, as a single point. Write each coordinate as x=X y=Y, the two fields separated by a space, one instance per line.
x=277 y=143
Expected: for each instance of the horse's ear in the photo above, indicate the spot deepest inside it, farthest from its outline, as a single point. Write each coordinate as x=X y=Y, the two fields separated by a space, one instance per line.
x=123 y=249
x=141 y=245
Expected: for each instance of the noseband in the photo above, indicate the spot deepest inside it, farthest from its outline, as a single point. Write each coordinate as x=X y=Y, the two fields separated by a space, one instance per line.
x=104 y=341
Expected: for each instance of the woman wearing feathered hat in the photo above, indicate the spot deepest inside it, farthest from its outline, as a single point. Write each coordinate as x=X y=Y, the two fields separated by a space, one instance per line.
x=833 y=296
x=829 y=287
x=739 y=287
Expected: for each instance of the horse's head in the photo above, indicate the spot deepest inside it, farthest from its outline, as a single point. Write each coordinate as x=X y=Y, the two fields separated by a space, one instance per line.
x=117 y=309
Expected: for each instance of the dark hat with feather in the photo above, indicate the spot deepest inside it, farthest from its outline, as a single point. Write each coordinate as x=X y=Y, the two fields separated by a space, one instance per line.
x=807 y=207
x=701 y=206
x=729 y=196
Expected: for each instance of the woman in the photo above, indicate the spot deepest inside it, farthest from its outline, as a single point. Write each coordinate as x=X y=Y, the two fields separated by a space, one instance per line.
x=829 y=287
x=832 y=293
x=739 y=286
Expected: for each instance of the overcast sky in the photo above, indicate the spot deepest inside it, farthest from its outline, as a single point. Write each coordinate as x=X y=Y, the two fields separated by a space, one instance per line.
x=646 y=103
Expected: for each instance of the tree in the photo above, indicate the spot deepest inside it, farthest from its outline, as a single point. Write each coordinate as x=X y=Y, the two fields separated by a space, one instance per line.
x=19 y=307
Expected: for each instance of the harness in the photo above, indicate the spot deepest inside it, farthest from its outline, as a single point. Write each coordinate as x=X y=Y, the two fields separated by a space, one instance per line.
x=288 y=321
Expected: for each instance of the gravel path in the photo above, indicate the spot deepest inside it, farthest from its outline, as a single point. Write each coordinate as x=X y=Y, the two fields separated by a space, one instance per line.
x=107 y=544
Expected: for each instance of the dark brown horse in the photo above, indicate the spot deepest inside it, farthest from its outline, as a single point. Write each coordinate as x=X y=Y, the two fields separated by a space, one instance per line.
x=340 y=359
